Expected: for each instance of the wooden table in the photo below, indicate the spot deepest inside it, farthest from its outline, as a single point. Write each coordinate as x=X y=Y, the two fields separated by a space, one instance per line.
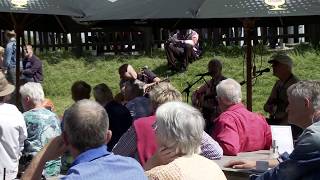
x=241 y=174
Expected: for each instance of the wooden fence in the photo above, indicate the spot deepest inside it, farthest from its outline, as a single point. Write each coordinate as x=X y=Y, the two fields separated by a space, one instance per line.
x=145 y=40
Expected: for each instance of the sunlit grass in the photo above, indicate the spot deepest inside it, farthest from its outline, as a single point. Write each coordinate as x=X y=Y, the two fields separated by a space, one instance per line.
x=62 y=69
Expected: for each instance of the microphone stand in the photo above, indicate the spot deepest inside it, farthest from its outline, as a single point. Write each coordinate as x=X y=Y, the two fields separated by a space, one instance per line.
x=187 y=89
x=254 y=77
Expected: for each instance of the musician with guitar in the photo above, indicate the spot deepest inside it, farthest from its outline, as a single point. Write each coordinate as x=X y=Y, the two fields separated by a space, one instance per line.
x=204 y=97
x=277 y=102
x=127 y=72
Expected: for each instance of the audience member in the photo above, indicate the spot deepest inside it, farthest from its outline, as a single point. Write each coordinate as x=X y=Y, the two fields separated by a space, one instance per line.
x=138 y=105
x=277 y=102
x=42 y=124
x=179 y=130
x=237 y=129
x=32 y=67
x=140 y=140
x=80 y=90
x=303 y=162
x=13 y=132
x=119 y=116
x=10 y=57
x=182 y=47
x=85 y=136
x=204 y=97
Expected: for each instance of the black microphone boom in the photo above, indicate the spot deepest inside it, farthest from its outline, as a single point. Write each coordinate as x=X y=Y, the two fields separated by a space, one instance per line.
x=263 y=71
x=204 y=74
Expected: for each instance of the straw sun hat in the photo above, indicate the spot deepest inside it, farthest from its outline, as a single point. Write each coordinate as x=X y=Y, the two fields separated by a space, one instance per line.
x=5 y=87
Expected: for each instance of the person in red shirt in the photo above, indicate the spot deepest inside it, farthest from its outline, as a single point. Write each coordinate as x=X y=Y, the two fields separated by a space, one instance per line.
x=237 y=129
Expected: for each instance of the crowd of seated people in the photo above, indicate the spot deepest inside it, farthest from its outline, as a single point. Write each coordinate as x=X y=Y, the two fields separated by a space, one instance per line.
x=151 y=135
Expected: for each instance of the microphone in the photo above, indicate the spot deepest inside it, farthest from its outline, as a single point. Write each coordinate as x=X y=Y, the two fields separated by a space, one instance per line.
x=204 y=74
x=263 y=71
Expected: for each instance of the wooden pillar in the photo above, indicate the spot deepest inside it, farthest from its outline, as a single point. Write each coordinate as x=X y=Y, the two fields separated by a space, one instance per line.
x=264 y=35
x=46 y=40
x=76 y=44
x=41 y=41
x=86 y=40
x=312 y=34
x=285 y=34
x=216 y=33
x=35 y=44
x=19 y=33
x=296 y=33
x=272 y=36
x=147 y=40
x=248 y=25
x=65 y=41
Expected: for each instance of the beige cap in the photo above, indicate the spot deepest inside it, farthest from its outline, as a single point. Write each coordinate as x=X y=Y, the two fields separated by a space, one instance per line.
x=281 y=58
x=10 y=33
x=5 y=87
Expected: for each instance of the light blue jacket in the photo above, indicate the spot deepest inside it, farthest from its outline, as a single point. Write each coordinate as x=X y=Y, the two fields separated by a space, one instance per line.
x=10 y=54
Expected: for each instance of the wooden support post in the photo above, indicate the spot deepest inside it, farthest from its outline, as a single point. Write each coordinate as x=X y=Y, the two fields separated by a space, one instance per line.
x=248 y=25
x=29 y=37
x=86 y=40
x=19 y=33
x=296 y=33
x=216 y=33
x=147 y=40
x=41 y=41
x=76 y=44
x=35 y=42
x=46 y=40
x=65 y=41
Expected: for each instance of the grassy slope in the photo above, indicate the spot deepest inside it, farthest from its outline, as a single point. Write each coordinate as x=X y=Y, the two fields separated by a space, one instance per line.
x=61 y=70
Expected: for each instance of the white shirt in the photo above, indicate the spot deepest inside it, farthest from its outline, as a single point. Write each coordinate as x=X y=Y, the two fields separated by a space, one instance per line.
x=13 y=132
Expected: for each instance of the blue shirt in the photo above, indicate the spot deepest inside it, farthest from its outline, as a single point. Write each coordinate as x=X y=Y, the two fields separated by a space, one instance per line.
x=98 y=163
x=303 y=162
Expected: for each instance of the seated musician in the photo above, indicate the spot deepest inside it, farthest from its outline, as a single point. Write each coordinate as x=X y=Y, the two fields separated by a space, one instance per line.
x=182 y=47
x=205 y=97
x=127 y=72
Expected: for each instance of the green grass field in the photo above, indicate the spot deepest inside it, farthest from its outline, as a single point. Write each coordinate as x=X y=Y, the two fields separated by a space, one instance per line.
x=62 y=69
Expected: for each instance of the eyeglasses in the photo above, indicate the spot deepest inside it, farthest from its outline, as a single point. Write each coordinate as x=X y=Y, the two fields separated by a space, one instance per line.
x=155 y=126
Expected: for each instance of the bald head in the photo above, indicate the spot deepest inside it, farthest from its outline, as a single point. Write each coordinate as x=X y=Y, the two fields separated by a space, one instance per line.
x=86 y=123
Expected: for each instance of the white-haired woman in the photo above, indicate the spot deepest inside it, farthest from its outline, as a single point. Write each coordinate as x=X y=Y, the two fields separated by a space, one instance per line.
x=42 y=124
x=179 y=128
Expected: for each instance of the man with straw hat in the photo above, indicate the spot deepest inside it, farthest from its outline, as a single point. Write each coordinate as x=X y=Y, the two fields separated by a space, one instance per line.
x=13 y=132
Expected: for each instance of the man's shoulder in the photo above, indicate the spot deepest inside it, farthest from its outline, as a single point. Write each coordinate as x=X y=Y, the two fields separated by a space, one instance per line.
x=108 y=166
x=308 y=144
x=36 y=58
x=312 y=134
x=12 y=110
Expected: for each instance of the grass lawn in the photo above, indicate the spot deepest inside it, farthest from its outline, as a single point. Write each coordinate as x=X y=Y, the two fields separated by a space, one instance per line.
x=62 y=69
